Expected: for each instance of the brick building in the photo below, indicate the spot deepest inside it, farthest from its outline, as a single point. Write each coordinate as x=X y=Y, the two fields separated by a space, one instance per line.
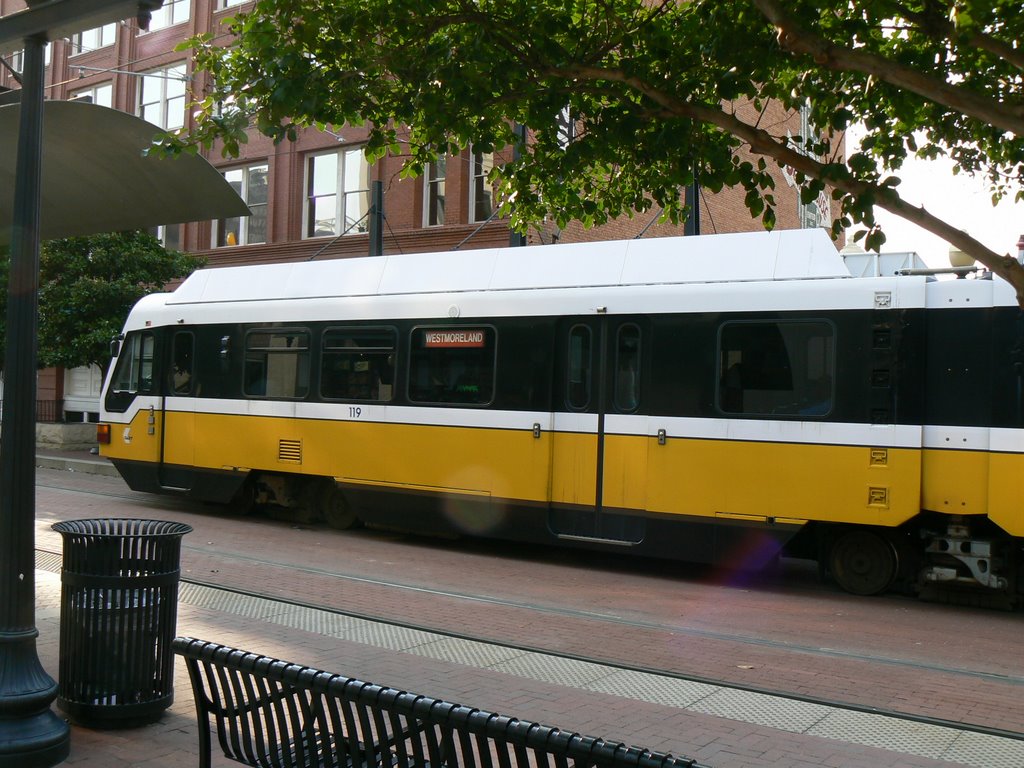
x=310 y=198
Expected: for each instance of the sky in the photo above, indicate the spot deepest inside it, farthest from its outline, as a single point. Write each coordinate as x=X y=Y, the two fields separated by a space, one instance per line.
x=960 y=200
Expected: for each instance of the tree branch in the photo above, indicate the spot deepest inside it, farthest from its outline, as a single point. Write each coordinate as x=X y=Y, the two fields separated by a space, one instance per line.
x=996 y=47
x=763 y=143
x=794 y=37
x=885 y=197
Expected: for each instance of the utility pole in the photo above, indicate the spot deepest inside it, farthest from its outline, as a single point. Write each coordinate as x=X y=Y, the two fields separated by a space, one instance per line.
x=515 y=239
x=692 y=225
x=376 y=223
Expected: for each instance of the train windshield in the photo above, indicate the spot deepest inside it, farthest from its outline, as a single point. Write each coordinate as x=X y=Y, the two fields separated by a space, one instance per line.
x=134 y=371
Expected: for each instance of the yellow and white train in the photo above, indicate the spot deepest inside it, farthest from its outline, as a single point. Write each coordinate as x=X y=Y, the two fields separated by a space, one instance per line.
x=711 y=399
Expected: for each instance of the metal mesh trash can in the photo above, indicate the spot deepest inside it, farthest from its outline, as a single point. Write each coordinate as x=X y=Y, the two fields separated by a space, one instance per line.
x=118 y=611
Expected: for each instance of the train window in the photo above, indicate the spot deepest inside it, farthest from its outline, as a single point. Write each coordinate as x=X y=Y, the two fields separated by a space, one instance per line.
x=277 y=364
x=134 y=371
x=181 y=364
x=578 y=394
x=776 y=368
x=627 y=368
x=452 y=365
x=358 y=364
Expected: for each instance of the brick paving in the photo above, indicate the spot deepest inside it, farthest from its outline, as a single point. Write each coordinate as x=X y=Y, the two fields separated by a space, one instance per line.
x=716 y=741
x=172 y=742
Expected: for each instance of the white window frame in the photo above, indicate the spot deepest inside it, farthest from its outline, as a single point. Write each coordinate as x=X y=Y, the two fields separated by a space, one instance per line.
x=163 y=82
x=566 y=127
x=346 y=191
x=435 y=177
x=478 y=172
x=170 y=13
x=17 y=59
x=244 y=235
x=817 y=213
x=93 y=39
x=95 y=94
x=161 y=231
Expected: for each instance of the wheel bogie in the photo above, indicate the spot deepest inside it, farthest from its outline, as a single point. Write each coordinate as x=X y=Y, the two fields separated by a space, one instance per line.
x=296 y=498
x=929 y=557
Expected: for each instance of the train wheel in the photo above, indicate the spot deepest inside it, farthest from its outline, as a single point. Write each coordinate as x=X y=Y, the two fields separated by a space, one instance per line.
x=863 y=563
x=335 y=509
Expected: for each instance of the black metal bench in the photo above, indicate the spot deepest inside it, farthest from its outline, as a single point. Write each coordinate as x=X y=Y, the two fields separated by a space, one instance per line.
x=271 y=713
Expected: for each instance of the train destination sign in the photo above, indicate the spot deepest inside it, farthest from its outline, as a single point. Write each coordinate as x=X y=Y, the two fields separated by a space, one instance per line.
x=453 y=339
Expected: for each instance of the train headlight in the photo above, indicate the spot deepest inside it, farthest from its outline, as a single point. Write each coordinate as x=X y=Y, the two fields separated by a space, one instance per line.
x=103 y=434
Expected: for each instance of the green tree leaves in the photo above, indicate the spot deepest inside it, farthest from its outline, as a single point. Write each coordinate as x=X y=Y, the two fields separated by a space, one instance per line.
x=87 y=287
x=658 y=94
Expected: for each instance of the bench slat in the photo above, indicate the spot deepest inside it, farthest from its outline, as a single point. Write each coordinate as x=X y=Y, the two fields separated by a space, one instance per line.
x=270 y=713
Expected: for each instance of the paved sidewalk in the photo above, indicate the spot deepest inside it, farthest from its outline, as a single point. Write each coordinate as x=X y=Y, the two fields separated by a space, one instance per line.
x=724 y=728
x=720 y=726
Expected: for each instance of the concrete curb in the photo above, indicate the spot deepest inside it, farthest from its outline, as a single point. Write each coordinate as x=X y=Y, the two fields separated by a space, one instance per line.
x=86 y=466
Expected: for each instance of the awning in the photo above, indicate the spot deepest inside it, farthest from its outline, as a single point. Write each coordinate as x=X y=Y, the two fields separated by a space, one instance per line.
x=96 y=178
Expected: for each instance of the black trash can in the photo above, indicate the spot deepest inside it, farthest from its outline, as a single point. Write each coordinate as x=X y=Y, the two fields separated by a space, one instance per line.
x=118 y=611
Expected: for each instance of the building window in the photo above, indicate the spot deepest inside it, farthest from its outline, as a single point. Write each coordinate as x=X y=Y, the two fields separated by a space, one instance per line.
x=99 y=94
x=776 y=368
x=337 y=193
x=817 y=212
x=169 y=236
x=93 y=39
x=251 y=185
x=162 y=97
x=277 y=364
x=170 y=13
x=452 y=365
x=358 y=364
x=565 y=128
x=481 y=191
x=17 y=59
x=433 y=193
x=230 y=3
x=811 y=214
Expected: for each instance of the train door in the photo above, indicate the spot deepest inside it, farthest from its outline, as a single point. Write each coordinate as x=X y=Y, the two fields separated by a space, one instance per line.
x=600 y=444
x=177 y=438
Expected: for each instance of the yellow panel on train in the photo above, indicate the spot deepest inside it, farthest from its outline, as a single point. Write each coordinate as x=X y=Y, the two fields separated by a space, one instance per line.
x=778 y=480
x=1006 y=492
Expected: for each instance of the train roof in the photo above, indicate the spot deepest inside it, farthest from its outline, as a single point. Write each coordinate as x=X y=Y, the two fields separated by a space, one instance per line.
x=793 y=270
x=783 y=255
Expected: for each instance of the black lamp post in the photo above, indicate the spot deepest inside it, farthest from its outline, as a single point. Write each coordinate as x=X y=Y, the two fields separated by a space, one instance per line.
x=31 y=734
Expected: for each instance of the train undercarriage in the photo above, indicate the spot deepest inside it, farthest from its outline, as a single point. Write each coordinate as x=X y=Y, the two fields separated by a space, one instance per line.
x=936 y=557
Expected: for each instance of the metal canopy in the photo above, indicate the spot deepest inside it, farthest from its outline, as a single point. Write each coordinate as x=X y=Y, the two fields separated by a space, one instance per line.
x=96 y=178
